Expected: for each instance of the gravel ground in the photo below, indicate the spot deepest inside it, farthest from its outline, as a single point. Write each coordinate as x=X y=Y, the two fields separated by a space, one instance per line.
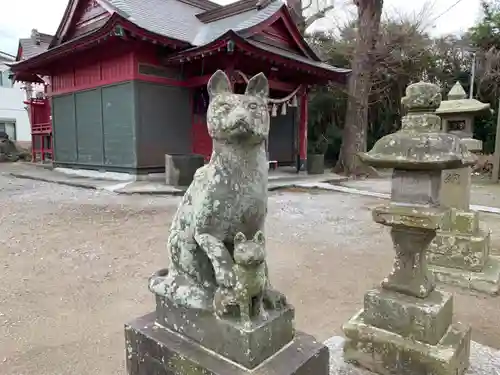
x=75 y=265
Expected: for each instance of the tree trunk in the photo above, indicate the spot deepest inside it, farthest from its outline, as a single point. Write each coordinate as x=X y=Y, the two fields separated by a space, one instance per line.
x=297 y=14
x=356 y=124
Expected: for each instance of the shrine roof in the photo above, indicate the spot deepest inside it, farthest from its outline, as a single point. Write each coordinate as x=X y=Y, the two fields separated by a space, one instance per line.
x=35 y=45
x=189 y=25
x=235 y=22
x=254 y=47
x=297 y=57
x=189 y=22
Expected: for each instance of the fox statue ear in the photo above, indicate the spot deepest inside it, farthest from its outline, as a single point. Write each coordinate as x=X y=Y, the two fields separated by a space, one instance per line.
x=258 y=86
x=259 y=238
x=239 y=238
x=218 y=84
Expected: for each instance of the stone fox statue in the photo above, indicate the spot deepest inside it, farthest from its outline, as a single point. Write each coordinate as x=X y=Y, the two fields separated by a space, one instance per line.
x=250 y=276
x=228 y=195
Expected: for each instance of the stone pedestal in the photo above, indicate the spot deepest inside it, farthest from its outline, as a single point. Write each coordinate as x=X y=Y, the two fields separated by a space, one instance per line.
x=184 y=341
x=460 y=253
x=155 y=350
x=483 y=360
x=406 y=326
x=247 y=345
x=180 y=168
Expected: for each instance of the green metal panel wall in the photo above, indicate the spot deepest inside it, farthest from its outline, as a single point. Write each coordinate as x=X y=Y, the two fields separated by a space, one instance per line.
x=89 y=127
x=118 y=113
x=96 y=128
x=164 y=123
x=64 y=128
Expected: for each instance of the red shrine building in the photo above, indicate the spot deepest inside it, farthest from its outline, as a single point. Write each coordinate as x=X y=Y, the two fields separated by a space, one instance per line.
x=128 y=78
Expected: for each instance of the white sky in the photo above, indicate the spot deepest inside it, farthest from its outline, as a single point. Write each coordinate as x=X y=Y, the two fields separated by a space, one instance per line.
x=24 y=15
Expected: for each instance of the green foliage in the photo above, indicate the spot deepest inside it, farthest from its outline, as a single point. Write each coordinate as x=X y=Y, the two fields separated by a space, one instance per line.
x=486 y=33
x=484 y=130
x=404 y=54
x=326 y=113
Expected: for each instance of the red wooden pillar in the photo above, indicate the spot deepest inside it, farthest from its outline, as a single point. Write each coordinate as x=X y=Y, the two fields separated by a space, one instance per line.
x=303 y=128
x=42 y=147
x=31 y=107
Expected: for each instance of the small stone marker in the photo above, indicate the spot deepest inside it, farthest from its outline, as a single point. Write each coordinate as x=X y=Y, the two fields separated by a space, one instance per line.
x=216 y=312
x=455 y=191
x=406 y=325
x=460 y=253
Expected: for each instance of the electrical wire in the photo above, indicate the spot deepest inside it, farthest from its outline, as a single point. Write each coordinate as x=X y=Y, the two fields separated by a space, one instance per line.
x=447 y=10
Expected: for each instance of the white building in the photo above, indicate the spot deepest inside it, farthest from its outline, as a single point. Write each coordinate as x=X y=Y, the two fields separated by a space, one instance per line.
x=14 y=119
x=14 y=115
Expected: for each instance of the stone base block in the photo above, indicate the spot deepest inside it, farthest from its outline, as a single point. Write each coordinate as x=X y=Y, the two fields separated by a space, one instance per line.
x=180 y=168
x=460 y=250
x=486 y=281
x=247 y=346
x=425 y=320
x=394 y=214
x=154 y=350
x=462 y=221
x=483 y=360
x=455 y=188
x=389 y=353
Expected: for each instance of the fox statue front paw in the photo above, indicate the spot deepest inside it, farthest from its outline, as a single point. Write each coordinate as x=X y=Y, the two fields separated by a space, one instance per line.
x=225 y=277
x=224 y=302
x=274 y=300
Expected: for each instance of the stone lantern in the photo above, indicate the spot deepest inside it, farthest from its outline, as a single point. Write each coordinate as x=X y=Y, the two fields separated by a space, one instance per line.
x=406 y=324
x=460 y=253
x=457 y=117
x=457 y=114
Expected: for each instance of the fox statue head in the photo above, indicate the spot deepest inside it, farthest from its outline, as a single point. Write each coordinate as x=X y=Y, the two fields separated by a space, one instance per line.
x=235 y=118
x=249 y=252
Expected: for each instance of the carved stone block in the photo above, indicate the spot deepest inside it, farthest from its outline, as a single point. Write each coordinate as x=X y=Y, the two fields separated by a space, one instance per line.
x=455 y=191
x=415 y=318
x=246 y=345
x=389 y=353
x=180 y=168
x=463 y=251
x=415 y=187
x=153 y=350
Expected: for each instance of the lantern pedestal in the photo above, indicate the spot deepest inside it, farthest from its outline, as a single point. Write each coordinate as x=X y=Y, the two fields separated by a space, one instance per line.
x=406 y=326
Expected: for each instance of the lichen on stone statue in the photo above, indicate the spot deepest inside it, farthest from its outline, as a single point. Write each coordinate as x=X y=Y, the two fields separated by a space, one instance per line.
x=250 y=277
x=227 y=196
x=9 y=151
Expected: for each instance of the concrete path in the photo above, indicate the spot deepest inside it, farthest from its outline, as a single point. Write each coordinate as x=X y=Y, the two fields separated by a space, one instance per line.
x=277 y=180
x=487 y=195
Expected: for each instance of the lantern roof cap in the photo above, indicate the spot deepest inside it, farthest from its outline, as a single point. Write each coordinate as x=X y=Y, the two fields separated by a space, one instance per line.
x=419 y=144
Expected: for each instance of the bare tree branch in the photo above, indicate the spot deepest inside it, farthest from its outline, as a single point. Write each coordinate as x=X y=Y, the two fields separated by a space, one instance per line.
x=317 y=16
x=307 y=6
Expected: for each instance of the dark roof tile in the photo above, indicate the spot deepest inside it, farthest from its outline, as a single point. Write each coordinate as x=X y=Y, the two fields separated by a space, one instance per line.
x=35 y=45
x=294 y=56
x=178 y=19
